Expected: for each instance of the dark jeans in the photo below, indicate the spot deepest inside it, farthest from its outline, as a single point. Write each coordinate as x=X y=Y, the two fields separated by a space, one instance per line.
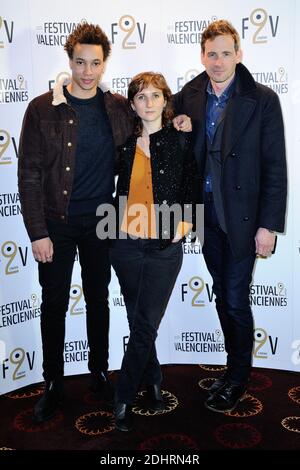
x=55 y=279
x=147 y=276
x=231 y=281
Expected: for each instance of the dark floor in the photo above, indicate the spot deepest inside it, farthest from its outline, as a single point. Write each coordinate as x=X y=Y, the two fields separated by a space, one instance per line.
x=267 y=419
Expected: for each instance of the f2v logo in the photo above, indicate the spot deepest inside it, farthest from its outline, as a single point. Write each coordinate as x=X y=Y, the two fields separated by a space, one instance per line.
x=5 y=140
x=260 y=19
x=261 y=338
x=22 y=360
x=76 y=295
x=10 y=250
x=197 y=285
x=128 y=24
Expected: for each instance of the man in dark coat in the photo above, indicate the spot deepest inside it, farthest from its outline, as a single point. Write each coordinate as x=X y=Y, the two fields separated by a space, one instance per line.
x=240 y=150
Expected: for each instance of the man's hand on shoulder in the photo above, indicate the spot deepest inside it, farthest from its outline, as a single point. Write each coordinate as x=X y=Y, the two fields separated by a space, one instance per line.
x=183 y=123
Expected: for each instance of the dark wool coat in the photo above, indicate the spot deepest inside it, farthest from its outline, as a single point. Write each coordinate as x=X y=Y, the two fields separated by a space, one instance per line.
x=254 y=176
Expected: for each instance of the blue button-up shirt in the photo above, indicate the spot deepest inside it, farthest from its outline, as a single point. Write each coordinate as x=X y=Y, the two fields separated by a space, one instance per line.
x=214 y=108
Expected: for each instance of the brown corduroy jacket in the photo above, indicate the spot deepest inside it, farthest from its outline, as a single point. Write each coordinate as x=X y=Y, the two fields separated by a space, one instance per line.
x=47 y=155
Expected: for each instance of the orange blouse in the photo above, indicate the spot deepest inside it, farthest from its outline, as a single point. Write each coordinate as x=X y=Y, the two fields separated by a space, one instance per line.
x=139 y=216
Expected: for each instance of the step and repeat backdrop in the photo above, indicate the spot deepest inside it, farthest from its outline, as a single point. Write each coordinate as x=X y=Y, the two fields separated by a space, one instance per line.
x=163 y=37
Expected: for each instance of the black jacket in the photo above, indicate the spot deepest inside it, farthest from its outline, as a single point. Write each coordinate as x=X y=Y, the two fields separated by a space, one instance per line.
x=173 y=174
x=47 y=152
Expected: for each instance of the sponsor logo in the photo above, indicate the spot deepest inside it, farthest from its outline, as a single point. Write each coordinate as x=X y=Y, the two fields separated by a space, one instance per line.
x=120 y=85
x=194 y=248
x=265 y=344
x=261 y=25
x=196 y=291
x=199 y=341
x=20 y=311
x=13 y=89
x=54 y=33
x=16 y=256
x=187 y=31
x=76 y=351
x=131 y=31
x=6 y=32
x=268 y=295
x=277 y=80
x=117 y=298
x=18 y=364
x=9 y=204
x=76 y=295
x=7 y=146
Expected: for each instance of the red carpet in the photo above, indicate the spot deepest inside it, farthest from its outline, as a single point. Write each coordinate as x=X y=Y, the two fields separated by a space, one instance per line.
x=267 y=419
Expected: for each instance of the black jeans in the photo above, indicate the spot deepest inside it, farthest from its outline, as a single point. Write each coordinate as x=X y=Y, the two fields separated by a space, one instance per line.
x=231 y=281
x=147 y=276
x=55 y=279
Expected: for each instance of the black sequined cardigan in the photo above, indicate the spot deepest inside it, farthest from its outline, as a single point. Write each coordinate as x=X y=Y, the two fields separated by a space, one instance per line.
x=173 y=173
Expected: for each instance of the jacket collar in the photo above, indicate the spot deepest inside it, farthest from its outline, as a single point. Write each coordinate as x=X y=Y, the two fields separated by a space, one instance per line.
x=238 y=112
x=244 y=82
x=63 y=79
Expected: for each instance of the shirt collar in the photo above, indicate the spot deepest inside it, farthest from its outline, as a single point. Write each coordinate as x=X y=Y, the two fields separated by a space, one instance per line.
x=226 y=93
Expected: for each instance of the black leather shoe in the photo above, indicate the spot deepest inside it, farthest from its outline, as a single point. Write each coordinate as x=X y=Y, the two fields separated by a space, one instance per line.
x=102 y=387
x=123 y=417
x=218 y=383
x=226 y=398
x=154 y=398
x=47 y=406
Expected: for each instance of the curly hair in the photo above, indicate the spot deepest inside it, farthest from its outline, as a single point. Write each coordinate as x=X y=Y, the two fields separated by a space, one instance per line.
x=144 y=80
x=87 y=33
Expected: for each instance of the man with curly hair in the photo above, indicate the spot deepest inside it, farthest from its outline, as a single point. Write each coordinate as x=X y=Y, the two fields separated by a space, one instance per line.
x=66 y=169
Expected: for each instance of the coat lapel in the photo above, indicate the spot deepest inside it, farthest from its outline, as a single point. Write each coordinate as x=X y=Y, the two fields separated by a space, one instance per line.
x=196 y=107
x=238 y=113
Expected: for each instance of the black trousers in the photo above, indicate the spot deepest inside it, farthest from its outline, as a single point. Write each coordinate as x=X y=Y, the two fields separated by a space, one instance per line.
x=147 y=276
x=55 y=279
x=231 y=286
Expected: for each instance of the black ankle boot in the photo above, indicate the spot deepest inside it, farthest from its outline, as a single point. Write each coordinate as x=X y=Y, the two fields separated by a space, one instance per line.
x=218 y=383
x=123 y=417
x=154 y=397
x=102 y=387
x=52 y=397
